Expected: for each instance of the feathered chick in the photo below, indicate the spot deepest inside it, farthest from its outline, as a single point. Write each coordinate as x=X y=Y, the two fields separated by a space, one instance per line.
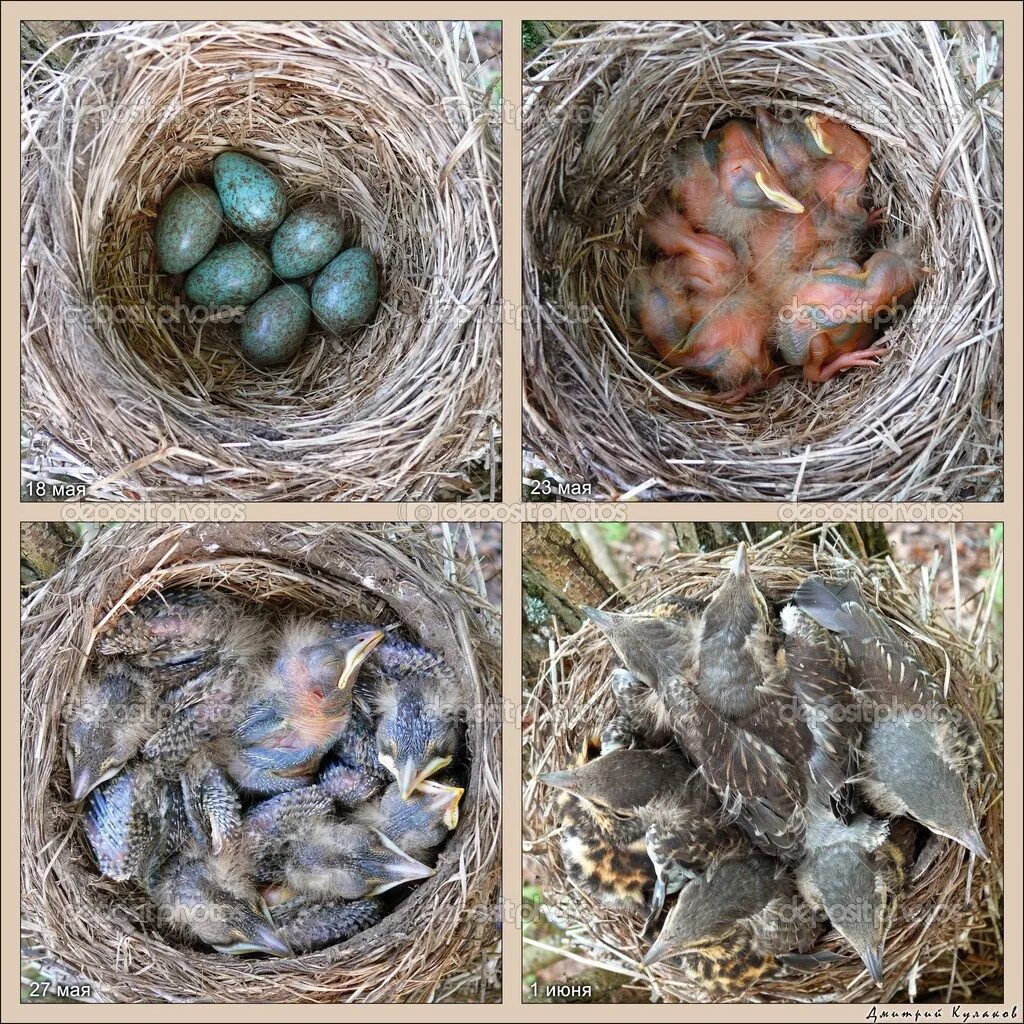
x=184 y=629
x=827 y=703
x=419 y=824
x=733 y=925
x=620 y=810
x=735 y=663
x=109 y=720
x=126 y=822
x=725 y=701
x=854 y=874
x=308 y=925
x=419 y=701
x=917 y=752
x=213 y=900
x=726 y=183
x=299 y=708
x=351 y=771
x=304 y=851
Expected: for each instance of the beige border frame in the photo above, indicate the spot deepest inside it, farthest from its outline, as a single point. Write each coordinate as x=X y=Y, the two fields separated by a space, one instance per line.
x=511 y=14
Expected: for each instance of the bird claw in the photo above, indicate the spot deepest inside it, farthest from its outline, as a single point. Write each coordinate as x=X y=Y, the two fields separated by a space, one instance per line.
x=866 y=358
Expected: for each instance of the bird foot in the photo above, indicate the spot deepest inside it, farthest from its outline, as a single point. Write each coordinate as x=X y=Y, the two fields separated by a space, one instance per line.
x=865 y=358
x=875 y=218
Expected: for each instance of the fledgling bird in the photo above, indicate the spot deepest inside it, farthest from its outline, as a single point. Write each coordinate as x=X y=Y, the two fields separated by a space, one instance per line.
x=636 y=823
x=827 y=315
x=299 y=707
x=109 y=720
x=735 y=663
x=725 y=183
x=418 y=824
x=419 y=701
x=720 y=691
x=738 y=922
x=827 y=703
x=917 y=753
x=854 y=873
x=213 y=900
x=306 y=926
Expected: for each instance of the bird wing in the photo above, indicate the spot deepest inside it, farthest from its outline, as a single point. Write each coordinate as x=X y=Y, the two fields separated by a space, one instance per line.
x=759 y=786
x=829 y=706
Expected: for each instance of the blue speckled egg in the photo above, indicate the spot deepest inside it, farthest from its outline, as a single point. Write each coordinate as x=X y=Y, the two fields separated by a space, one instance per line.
x=187 y=227
x=275 y=325
x=234 y=274
x=346 y=291
x=253 y=198
x=307 y=241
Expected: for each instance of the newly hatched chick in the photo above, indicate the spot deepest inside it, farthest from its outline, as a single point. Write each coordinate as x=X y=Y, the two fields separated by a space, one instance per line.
x=719 y=335
x=213 y=900
x=419 y=701
x=298 y=709
x=726 y=183
x=734 y=924
x=828 y=315
x=603 y=832
x=109 y=720
x=917 y=753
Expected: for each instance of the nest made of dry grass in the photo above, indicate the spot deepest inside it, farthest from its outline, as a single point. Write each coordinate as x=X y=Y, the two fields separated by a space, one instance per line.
x=604 y=107
x=124 y=392
x=88 y=929
x=947 y=936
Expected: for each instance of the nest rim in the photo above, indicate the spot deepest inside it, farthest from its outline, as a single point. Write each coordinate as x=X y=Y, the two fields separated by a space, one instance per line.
x=129 y=394
x=92 y=930
x=554 y=736
x=604 y=104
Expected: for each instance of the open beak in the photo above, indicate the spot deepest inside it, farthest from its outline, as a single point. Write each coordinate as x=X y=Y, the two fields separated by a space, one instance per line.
x=444 y=798
x=356 y=655
x=409 y=777
x=778 y=197
x=817 y=132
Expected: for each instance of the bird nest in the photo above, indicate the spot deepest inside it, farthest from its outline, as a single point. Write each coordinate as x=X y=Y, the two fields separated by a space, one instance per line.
x=606 y=105
x=130 y=395
x=89 y=930
x=946 y=939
